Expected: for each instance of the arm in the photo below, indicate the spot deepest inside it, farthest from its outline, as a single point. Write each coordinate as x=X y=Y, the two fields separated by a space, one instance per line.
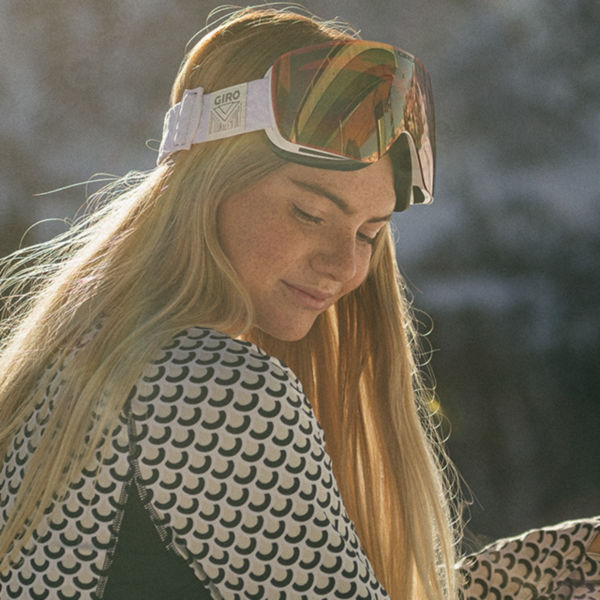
x=555 y=563
x=230 y=462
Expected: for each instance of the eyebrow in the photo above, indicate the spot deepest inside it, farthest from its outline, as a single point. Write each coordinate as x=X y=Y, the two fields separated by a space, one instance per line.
x=315 y=188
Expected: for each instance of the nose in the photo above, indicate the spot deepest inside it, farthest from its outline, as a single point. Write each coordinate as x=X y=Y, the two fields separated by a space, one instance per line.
x=337 y=258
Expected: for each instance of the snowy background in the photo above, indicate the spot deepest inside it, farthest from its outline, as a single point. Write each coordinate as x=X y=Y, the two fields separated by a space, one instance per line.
x=506 y=263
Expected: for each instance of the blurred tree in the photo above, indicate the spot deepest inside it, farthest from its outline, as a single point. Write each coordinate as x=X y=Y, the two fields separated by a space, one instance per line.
x=511 y=276
x=518 y=326
x=532 y=78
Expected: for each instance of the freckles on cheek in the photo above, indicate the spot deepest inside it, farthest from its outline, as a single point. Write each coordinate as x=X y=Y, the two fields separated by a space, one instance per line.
x=362 y=275
x=264 y=250
x=263 y=258
x=276 y=243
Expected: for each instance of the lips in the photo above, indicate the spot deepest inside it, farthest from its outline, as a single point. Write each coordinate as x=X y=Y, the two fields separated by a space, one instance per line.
x=310 y=297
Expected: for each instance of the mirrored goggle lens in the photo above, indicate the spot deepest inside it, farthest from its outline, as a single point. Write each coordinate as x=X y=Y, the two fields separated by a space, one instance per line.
x=354 y=99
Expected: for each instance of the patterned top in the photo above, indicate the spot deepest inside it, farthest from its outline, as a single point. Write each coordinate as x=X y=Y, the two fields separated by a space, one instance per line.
x=229 y=463
x=543 y=564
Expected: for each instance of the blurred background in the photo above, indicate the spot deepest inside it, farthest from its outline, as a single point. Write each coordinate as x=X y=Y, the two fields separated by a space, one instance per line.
x=505 y=265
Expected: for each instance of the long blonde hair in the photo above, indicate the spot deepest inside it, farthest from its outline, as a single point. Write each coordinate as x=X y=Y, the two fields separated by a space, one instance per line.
x=148 y=264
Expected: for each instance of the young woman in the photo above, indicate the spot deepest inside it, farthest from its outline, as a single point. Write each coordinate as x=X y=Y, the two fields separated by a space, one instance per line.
x=210 y=388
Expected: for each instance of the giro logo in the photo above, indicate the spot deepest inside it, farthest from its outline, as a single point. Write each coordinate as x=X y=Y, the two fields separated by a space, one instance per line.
x=227 y=112
x=227 y=98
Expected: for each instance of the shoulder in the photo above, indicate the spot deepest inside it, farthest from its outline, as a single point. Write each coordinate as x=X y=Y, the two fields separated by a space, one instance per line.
x=204 y=369
x=216 y=355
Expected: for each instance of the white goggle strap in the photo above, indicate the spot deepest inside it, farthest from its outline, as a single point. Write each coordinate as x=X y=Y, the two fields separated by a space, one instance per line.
x=202 y=117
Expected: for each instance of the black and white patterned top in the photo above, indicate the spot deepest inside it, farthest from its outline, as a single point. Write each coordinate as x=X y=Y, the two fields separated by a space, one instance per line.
x=552 y=563
x=229 y=459
x=223 y=450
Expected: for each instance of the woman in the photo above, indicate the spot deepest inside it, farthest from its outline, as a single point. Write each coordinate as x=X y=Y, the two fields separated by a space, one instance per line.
x=153 y=444
x=227 y=236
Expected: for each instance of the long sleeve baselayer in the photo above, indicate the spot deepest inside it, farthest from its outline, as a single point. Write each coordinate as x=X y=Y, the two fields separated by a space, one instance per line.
x=222 y=448
x=216 y=484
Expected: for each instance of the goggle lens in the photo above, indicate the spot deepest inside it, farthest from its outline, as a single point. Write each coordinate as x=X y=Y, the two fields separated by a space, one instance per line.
x=355 y=100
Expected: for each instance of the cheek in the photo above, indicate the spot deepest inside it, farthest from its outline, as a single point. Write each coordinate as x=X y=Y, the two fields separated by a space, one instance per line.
x=256 y=247
x=250 y=255
x=239 y=232
x=269 y=247
x=362 y=270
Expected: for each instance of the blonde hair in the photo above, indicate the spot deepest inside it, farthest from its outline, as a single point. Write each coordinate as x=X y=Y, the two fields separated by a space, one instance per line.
x=148 y=264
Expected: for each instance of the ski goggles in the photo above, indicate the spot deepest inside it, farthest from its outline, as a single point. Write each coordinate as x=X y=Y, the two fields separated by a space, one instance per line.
x=337 y=105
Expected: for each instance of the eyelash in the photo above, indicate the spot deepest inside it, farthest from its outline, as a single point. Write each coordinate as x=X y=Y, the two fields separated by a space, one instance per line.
x=304 y=216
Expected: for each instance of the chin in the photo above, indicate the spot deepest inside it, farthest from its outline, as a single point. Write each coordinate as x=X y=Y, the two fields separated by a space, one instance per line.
x=286 y=332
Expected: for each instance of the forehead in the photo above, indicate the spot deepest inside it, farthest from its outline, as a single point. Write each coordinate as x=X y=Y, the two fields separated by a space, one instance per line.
x=366 y=190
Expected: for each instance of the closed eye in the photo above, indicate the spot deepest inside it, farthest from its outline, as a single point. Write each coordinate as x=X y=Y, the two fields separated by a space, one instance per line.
x=308 y=218
x=365 y=238
x=304 y=216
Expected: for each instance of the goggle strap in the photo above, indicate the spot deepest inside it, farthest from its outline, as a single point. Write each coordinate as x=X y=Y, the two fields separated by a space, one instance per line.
x=227 y=112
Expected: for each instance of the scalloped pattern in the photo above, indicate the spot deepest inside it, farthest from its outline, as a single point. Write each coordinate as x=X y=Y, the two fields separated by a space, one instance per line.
x=229 y=461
